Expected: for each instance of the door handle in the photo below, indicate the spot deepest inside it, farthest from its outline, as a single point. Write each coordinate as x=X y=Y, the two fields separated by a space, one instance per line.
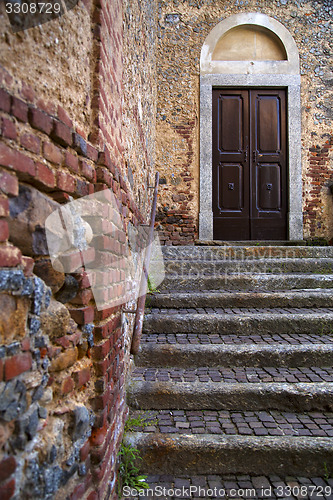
x=254 y=156
x=245 y=155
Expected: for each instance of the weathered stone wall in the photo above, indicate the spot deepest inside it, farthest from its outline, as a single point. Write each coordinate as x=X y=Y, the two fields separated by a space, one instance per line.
x=70 y=127
x=182 y=29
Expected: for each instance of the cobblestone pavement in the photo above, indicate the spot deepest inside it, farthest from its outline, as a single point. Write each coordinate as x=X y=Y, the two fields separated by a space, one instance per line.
x=215 y=338
x=235 y=487
x=234 y=375
x=249 y=423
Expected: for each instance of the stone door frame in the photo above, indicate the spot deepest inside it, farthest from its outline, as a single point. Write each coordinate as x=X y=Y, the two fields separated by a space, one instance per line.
x=237 y=74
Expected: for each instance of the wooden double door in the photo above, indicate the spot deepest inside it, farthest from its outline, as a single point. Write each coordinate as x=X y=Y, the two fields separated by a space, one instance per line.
x=249 y=164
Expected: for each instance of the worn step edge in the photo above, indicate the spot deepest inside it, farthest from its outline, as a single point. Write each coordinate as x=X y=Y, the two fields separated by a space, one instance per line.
x=245 y=251
x=261 y=282
x=269 y=322
x=275 y=355
x=272 y=265
x=295 y=397
x=210 y=454
x=299 y=298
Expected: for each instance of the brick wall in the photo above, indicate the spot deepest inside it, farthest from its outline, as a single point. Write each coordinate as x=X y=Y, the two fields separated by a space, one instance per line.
x=182 y=29
x=63 y=362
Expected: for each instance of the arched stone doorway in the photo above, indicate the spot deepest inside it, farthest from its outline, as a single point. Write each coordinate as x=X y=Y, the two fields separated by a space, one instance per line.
x=252 y=52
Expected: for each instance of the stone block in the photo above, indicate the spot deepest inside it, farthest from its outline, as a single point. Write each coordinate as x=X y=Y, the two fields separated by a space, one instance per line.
x=28 y=212
x=55 y=320
x=64 y=360
x=52 y=278
x=13 y=318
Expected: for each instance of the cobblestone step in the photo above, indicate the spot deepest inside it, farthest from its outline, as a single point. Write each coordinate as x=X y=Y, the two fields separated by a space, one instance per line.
x=246 y=423
x=249 y=355
x=192 y=268
x=295 y=298
x=245 y=251
x=221 y=454
x=232 y=339
x=240 y=321
x=245 y=390
x=217 y=487
x=248 y=282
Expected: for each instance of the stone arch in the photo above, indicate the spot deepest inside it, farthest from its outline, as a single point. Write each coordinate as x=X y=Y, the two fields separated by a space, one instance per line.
x=281 y=69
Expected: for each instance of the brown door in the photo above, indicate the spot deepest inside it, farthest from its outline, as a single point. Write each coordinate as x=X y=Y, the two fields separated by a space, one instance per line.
x=249 y=164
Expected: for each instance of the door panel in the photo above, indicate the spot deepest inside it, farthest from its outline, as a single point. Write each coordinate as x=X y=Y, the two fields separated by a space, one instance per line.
x=230 y=182
x=249 y=164
x=231 y=164
x=231 y=125
x=269 y=186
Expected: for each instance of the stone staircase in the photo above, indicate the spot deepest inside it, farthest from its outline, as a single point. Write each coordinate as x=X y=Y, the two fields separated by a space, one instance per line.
x=236 y=368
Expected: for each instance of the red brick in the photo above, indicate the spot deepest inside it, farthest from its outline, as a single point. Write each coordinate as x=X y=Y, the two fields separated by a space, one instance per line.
x=83 y=188
x=72 y=162
x=28 y=92
x=82 y=315
x=66 y=182
x=92 y=153
x=40 y=120
x=103 y=175
x=78 y=492
x=4 y=206
x=7 y=490
x=48 y=107
x=98 y=435
x=10 y=256
x=4 y=230
x=25 y=344
x=83 y=297
x=67 y=385
x=63 y=341
x=18 y=364
x=7 y=468
x=63 y=117
x=88 y=171
x=20 y=109
x=62 y=134
x=45 y=175
x=14 y=159
x=93 y=496
x=8 y=129
x=8 y=183
x=81 y=377
x=107 y=330
x=30 y=142
x=52 y=153
x=101 y=351
x=5 y=101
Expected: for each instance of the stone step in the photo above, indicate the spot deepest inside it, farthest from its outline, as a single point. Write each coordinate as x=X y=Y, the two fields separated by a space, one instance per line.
x=217 y=486
x=241 y=322
x=274 y=355
x=235 y=393
x=189 y=268
x=220 y=454
x=247 y=282
x=242 y=252
x=294 y=298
